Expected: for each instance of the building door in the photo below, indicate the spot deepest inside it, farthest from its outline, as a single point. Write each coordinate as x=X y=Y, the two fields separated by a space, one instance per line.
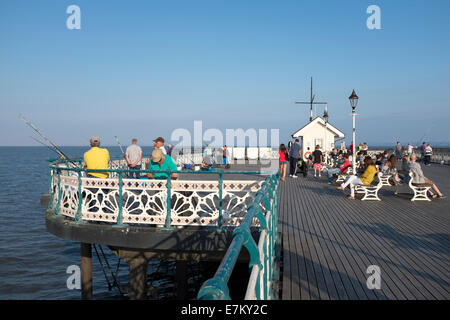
x=318 y=142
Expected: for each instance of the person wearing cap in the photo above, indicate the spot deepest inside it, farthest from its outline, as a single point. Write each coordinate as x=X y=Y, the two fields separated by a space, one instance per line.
x=159 y=144
x=133 y=156
x=96 y=159
x=161 y=161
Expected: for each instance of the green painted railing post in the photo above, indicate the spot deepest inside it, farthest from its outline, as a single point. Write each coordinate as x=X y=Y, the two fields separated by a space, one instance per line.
x=120 y=214
x=58 y=204
x=265 y=269
x=78 y=215
x=220 y=222
x=167 y=225
x=52 y=191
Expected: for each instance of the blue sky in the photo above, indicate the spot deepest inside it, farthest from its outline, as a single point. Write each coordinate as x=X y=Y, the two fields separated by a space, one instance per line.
x=145 y=68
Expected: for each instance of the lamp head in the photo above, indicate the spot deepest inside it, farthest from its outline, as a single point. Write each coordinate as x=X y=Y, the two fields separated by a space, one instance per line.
x=353 y=100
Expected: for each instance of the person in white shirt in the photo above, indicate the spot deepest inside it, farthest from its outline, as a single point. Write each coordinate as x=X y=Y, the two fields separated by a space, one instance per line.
x=159 y=144
x=133 y=156
x=428 y=154
x=410 y=149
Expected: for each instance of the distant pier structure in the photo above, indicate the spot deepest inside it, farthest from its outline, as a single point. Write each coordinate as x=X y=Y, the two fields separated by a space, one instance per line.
x=218 y=215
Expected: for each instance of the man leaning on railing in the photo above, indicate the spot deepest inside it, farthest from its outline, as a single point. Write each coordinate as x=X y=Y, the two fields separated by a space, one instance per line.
x=163 y=162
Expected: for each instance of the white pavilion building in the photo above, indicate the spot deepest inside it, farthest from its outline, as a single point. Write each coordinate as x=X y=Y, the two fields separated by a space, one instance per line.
x=318 y=132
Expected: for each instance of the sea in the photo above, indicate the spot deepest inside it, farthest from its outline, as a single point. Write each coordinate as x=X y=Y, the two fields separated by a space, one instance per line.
x=36 y=265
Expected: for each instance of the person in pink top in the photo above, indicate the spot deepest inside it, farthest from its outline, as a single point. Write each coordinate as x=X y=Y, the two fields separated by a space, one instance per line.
x=283 y=155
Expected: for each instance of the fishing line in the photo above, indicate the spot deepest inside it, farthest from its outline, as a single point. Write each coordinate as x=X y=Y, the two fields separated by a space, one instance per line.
x=32 y=126
x=118 y=142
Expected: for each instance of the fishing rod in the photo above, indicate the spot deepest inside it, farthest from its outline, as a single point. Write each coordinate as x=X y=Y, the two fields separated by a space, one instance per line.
x=45 y=145
x=118 y=142
x=56 y=149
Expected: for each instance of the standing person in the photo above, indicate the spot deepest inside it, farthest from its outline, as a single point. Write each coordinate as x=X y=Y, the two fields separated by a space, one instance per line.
x=422 y=151
x=159 y=144
x=169 y=149
x=133 y=156
x=410 y=149
x=96 y=159
x=317 y=160
x=294 y=154
x=428 y=154
x=365 y=148
x=398 y=151
x=283 y=156
x=289 y=145
x=224 y=155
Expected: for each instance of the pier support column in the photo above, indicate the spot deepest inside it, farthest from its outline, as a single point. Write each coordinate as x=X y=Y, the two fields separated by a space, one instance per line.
x=181 y=278
x=138 y=276
x=86 y=271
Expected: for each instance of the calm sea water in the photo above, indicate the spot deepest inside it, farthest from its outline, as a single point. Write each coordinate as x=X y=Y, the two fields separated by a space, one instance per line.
x=33 y=262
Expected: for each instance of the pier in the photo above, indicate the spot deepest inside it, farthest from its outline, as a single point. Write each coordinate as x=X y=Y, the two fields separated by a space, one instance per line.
x=329 y=242
x=321 y=247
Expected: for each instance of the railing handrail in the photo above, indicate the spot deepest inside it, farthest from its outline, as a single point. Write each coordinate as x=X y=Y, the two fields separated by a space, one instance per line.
x=216 y=288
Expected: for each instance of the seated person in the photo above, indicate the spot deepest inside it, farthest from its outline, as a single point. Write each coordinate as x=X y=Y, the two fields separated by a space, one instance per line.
x=403 y=174
x=161 y=161
x=341 y=170
x=206 y=164
x=340 y=160
x=390 y=166
x=419 y=178
x=334 y=156
x=96 y=158
x=379 y=157
x=365 y=179
x=385 y=157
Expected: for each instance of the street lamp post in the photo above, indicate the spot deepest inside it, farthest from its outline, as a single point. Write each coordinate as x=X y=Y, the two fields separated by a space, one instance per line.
x=354 y=102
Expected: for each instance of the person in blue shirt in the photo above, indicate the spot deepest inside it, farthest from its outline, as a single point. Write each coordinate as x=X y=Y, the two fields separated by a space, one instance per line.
x=294 y=154
x=161 y=161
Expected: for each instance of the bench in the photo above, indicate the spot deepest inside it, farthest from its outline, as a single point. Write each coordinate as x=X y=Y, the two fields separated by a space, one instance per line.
x=342 y=176
x=370 y=191
x=385 y=179
x=420 y=190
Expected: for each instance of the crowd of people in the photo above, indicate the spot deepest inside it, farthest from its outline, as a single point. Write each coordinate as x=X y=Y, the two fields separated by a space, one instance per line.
x=366 y=169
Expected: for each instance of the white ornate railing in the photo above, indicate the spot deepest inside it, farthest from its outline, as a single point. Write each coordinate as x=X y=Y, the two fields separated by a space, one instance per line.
x=144 y=201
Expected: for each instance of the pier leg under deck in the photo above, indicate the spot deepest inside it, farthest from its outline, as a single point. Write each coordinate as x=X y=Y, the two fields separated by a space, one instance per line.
x=181 y=279
x=86 y=271
x=138 y=277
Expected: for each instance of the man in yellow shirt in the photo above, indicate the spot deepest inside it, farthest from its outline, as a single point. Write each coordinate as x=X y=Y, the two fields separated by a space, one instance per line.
x=96 y=158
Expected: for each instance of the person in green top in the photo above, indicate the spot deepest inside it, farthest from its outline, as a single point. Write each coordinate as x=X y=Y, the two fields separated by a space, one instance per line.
x=365 y=179
x=161 y=161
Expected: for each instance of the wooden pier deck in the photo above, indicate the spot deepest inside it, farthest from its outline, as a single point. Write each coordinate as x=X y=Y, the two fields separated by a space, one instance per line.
x=328 y=242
